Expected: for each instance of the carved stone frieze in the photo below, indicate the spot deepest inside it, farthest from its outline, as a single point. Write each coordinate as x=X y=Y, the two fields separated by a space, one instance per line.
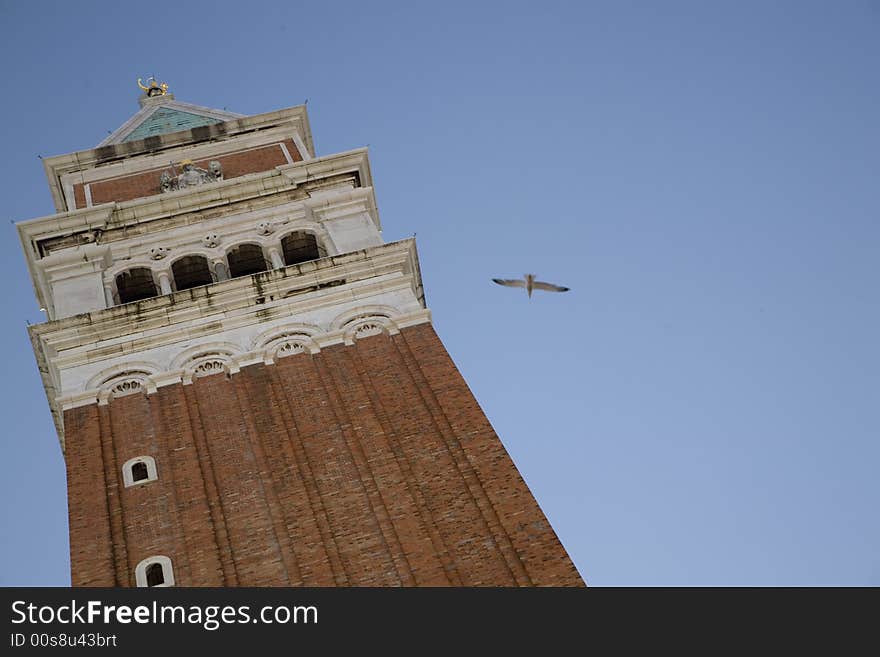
x=368 y=329
x=190 y=176
x=289 y=348
x=127 y=387
x=209 y=367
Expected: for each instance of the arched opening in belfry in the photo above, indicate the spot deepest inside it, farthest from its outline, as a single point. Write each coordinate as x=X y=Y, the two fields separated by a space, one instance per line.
x=155 y=575
x=301 y=247
x=191 y=271
x=135 y=284
x=139 y=471
x=245 y=260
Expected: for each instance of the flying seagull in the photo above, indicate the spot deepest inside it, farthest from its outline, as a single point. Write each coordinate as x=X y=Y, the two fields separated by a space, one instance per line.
x=530 y=284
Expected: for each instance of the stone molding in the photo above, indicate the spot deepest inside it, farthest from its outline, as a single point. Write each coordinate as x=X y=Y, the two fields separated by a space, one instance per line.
x=177 y=220
x=292 y=121
x=148 y=208
x=229 y=358
x=159 y=163
x=317 y=286
x=300 y=309
x=208 y=360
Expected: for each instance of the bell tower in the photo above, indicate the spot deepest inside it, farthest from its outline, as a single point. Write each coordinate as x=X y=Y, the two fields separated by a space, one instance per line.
x=244 y=376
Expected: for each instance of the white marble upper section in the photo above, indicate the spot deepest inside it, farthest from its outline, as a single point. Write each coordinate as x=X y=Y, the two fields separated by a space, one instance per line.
x=75 y=257
x=211 y=277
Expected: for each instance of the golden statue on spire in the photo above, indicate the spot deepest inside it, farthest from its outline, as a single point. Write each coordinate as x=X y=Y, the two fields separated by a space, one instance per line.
x=154 y=88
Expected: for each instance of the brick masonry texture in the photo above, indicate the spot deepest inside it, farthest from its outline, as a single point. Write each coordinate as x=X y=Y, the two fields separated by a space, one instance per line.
x=139 y=185
x=364 y=465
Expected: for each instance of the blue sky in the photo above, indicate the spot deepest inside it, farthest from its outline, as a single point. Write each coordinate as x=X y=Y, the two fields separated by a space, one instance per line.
x=702 y=407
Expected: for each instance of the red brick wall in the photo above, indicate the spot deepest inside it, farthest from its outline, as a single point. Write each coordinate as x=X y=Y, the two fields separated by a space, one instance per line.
x=370 y=465
x=126 y=188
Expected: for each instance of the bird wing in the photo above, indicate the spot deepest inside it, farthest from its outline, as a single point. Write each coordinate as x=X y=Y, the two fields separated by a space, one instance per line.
x=510 y=282
x=549 y=287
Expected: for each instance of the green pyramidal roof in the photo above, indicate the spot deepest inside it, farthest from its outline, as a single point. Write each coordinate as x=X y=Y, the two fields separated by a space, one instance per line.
x=162 y=115
x=166 y=120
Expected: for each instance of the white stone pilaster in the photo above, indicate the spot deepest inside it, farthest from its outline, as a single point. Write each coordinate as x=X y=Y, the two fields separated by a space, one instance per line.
x=221 y=271
x=164 y=283
x=275 y=258
x=76 y=279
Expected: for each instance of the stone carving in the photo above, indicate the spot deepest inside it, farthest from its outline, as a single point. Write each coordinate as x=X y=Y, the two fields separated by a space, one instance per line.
x=158 y=252
x=190 y=176
x=366 y=330
x=289 y=349
x=265 y=228
x=209 y=367
x=167 y=182
x=127 y=387
x=211 y=240
x=193 y=175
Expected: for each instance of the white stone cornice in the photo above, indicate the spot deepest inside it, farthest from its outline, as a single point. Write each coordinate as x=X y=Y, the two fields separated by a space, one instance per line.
x=168 y=378
x=84 y=398
x=141 y=347
x=32 y=231
x=206 y=359
x=75 y=221
x=97 y=343
x=422 y=316
x=241 y=188
x=73 y=262
x=296 y=289
x=353 y=160
x=338 y=205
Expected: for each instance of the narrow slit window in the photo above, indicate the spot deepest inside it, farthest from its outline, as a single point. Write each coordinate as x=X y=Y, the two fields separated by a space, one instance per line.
x=155 y=575
x=139 y=472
